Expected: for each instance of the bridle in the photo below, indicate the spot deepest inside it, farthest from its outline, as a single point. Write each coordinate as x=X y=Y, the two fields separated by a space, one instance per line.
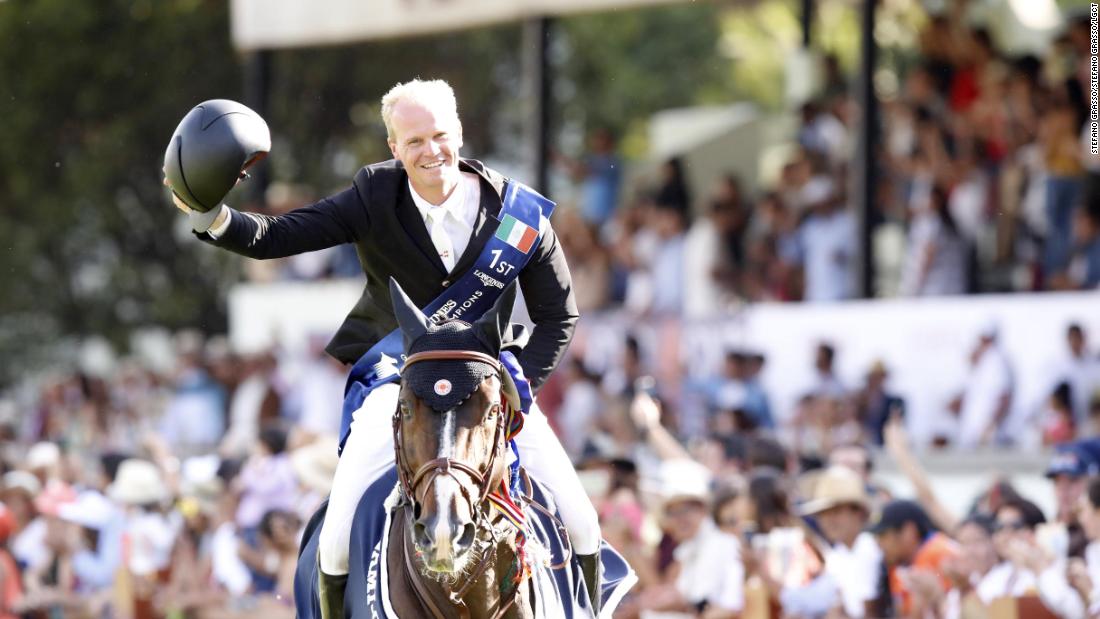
x=427 y=472
x=410 y=482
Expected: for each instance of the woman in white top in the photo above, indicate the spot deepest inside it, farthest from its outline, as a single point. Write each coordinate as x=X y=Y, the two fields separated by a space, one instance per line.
x=936 y=261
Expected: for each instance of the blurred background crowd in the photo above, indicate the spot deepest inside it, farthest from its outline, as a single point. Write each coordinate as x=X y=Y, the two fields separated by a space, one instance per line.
x=173 y=480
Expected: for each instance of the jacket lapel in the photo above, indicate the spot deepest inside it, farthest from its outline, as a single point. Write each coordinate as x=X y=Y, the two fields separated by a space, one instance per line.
x=413 y=224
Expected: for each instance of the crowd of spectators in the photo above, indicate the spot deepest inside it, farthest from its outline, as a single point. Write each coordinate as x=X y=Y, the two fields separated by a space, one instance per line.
x=986 y=182
x=140 y=493
x=181 y=493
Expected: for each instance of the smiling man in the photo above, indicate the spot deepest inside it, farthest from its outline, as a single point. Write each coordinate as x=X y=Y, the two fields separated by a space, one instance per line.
x=425 y=219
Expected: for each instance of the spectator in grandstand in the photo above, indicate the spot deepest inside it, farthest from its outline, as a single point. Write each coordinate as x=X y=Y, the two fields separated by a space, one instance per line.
x=986 y=400
x=673 y=192
x=589 y=261
x=11 y=581
x=278 y=531
x=600 y=175
x=1083 y=270
x=841 y=507
x=826 y=382
x=667 y=266
x=316 y=397
x=914 y=552
x=1029 y=564
x=267 y=480
x=784 y=555
x=711 y=249
x=1069 y=469
x=709 y=574
x=26 y=539
x=1058 y=138
x=1056 y=419
x=875 y=404
x=936 y=263
x=823 y=134
x=977 y=556
x=1079 y=369
x=254 y=402
x=581 y=406
x=149 y=530
x=1084 y=573
x=827 y=238
x=194 y=419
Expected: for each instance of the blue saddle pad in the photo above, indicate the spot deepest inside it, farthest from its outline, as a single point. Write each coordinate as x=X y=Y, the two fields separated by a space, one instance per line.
x=560 y=593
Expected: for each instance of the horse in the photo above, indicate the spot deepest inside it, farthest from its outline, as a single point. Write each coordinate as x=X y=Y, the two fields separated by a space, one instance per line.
x=448 y=542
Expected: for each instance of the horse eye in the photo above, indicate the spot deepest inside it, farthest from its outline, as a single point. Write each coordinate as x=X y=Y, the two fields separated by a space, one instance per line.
x=493 y=410
x=406 y=410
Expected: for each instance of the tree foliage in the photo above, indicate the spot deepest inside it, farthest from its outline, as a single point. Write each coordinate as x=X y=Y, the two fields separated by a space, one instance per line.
x=91 y=92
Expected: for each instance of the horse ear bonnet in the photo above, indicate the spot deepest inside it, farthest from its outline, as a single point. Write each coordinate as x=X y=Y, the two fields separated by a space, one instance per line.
x=464 y=376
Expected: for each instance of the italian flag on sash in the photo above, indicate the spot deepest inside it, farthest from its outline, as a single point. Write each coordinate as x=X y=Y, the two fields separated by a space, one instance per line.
x=517 y=234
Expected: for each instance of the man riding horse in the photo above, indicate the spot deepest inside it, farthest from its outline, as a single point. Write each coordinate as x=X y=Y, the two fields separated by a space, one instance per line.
x=425 y=218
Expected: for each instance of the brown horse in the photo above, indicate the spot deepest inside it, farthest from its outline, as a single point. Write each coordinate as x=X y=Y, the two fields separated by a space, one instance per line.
x=450 y=553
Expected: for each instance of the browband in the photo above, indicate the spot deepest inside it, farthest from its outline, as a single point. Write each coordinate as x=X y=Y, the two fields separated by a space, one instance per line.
x=452 y=355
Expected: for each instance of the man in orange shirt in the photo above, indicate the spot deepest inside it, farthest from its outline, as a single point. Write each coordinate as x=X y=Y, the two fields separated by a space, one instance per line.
x=914 y=551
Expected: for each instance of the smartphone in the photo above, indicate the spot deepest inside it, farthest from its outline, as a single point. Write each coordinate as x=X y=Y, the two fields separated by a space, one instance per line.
x=646 y=385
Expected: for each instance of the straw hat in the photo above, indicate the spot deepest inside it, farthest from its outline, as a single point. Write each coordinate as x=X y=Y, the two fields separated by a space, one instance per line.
x=837 y=485
x=22 y=480
x=315 y=465
x=138 y=483
x=43 y=455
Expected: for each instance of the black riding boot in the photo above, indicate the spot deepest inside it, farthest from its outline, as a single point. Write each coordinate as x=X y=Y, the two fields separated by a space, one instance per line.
x=590 y=569
x=330 y=593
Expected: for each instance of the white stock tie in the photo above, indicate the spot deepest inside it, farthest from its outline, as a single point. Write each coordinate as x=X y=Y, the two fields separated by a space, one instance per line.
x=440 y=238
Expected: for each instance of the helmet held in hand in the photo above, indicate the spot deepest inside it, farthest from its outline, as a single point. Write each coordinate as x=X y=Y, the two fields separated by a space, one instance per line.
x=212 y=146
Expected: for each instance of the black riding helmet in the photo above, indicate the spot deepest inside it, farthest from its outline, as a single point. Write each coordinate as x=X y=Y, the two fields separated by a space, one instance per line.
x=212 y=146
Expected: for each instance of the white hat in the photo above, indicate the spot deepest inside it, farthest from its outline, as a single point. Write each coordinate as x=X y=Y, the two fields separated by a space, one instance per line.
x=42 y=455
x=138 y=482
x=22 y=480
x=684 y=479
x=91 y=510
x=315 y=465
x=200 y=481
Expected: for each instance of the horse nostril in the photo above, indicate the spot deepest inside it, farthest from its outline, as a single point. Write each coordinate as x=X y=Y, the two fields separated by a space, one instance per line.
x=420 y=536
x=467 y=538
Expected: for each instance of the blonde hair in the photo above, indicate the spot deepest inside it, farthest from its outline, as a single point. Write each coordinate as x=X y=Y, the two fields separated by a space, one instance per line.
x=436 y=94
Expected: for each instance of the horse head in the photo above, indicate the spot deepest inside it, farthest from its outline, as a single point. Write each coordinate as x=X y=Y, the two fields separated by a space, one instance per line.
x=449 y=431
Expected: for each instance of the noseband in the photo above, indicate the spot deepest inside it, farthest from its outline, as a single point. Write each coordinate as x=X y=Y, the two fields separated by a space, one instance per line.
x=427 y=473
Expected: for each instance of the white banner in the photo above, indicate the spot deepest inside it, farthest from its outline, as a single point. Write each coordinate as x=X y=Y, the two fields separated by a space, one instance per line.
x=265 y=24
x=924 y=343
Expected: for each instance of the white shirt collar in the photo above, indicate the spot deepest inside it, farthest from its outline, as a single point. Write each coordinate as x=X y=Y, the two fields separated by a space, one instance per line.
x=451 y=205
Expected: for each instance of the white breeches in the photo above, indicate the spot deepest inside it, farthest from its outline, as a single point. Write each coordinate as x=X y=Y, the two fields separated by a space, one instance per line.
x=368 y=454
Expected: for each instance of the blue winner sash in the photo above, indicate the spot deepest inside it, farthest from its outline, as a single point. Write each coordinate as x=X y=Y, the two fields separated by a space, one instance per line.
x=522 y=216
